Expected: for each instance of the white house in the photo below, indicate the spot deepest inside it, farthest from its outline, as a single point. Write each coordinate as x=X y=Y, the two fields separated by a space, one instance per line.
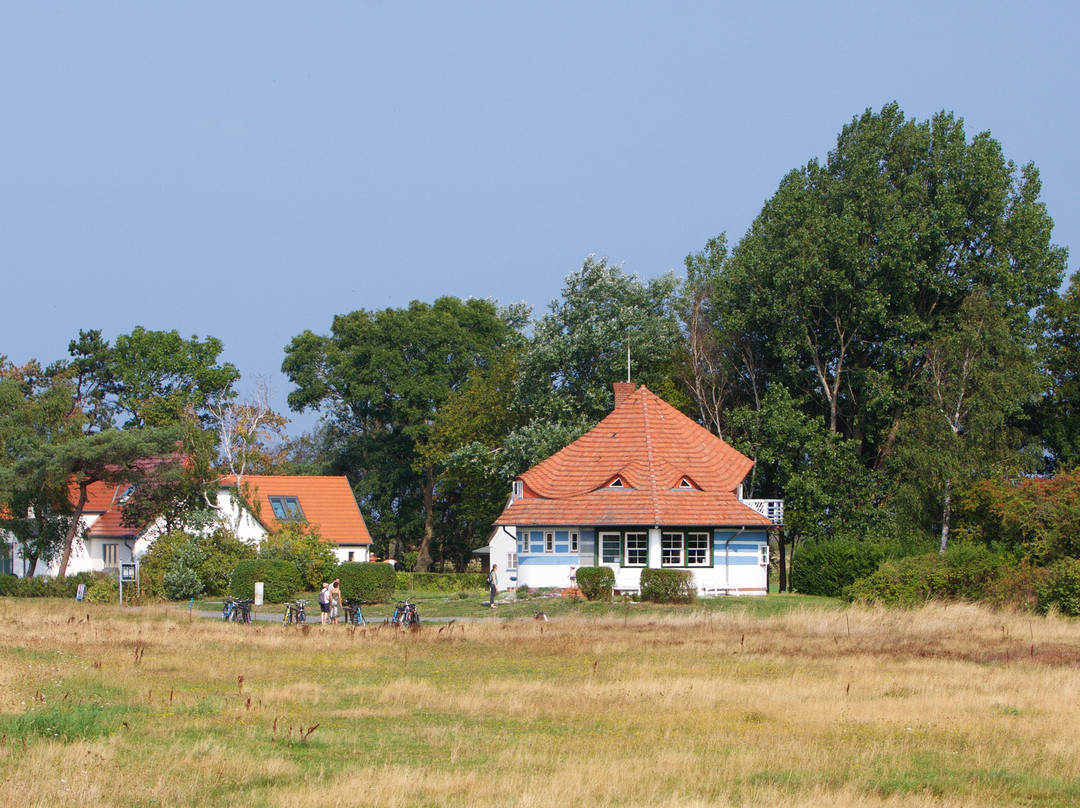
x=647 y=487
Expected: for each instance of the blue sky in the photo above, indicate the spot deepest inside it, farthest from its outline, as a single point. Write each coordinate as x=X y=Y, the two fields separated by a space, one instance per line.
x=249 y=170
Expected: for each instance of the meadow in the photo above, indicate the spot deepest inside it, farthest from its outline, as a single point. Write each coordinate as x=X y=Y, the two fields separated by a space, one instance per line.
x=747 y=705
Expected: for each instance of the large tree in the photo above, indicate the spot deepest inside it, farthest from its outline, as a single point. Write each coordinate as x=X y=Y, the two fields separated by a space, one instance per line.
x=381 y=377
x=857 y=268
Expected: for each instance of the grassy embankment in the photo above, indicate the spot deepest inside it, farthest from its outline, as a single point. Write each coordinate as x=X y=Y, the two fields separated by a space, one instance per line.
x=673 y=707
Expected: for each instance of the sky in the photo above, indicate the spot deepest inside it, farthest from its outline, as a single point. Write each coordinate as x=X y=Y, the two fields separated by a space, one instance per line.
x=247 y=170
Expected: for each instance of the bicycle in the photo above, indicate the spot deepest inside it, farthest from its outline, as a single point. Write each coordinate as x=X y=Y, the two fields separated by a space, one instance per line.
x=405 y=614
x=236 y=611
x=353 y=615
x=295 y=613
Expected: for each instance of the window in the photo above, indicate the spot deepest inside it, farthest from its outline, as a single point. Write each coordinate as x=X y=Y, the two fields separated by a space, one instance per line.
x=610 y=548
x=637 y=549
x=111 y=554
x=671 y=546
x=351 y=554
x=518 y=489
x=511 y=561
x=549 y=542
x=764 y=555
x=573 y=541
x=697 y=549
x=616 y=483
x=287 y=509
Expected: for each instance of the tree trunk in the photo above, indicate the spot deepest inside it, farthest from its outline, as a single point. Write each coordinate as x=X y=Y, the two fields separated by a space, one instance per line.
x=423 y=557
x=783 y=560
x=946 y=513
x=73 y=528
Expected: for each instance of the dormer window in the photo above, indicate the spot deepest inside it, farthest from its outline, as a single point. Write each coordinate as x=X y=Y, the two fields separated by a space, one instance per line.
x=287 y=509
x=518 y=490
x=617 y=483
x=687 y=483
x=126 y=495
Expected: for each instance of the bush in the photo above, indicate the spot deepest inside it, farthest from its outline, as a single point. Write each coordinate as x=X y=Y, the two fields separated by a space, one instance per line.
x=45 y=587
x=825 y=567
x=192 y=564
x=1062 y=588
x=281 y=579
x=963 y=572
x=300 y=544
x=668 y=586
x=103 y=589
x=595 y=583
x=372 y=581
x=440 y=581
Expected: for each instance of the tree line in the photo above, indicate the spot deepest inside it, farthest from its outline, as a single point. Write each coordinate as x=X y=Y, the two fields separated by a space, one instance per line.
x=887 y=341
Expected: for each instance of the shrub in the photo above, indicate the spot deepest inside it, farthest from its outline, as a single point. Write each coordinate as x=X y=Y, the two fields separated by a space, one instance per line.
x=964 y=572
x=1062 y=588
x=300 y=544
x=668 y=586
x=372 y=581
x=440 y=581
x=825 y=567
x=595 y=583
x=281 y=579
x=192 y=564
x=103 y=589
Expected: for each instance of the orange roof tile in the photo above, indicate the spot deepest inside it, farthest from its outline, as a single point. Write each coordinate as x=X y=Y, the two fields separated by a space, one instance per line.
x=651 y=447
x=327 y=502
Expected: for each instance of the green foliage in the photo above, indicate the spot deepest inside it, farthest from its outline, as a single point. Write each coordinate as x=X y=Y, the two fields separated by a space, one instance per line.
x=667 y=586
x=46 y=587
x=964 y=572
x=440 y=581
x=1058 y=416
x=301 y=544
x=281 y=580
x=595 y=583
x=827 y=566
x=367 y=580
x=181 y=565
x=1061 y=589
x=103 y=589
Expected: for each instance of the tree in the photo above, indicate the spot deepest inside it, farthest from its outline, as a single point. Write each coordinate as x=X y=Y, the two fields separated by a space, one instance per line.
x=381 y=377
x=1058 y=415
x=605 y=321
x=857 y=269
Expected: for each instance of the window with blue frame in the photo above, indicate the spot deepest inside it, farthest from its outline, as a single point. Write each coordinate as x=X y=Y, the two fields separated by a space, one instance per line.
x=287 y=509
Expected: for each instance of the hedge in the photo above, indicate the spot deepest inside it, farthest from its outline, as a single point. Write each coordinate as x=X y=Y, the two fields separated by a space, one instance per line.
x=12 y=586
x=963 y=572
x=371 y=581
x=595 y=583
x=827 y=567
x=668 y=586
x=440 y=581
x=1061 y=589
x=281 y=579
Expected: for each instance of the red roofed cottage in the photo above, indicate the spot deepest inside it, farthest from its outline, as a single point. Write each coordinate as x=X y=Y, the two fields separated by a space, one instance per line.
x=646 y=487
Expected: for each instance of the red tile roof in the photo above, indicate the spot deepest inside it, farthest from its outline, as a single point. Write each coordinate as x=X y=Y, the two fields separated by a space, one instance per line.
x=327 y=502
x=651 y=447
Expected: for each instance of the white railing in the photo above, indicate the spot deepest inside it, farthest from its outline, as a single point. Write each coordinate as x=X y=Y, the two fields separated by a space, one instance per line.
x=771 y=509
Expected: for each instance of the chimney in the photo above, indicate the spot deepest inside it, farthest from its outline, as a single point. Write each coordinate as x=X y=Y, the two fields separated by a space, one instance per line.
x=623 y=391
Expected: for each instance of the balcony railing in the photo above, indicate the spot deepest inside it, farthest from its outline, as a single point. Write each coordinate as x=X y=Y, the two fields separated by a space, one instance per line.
x=771 y=509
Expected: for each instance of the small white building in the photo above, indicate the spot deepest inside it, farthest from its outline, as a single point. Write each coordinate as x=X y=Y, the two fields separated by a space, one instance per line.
x=264 y=503
x=647 y=487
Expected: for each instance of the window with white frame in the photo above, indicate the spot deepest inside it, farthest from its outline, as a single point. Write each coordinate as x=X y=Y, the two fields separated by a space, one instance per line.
x=764 y=554
x=573 y=541
x=518 y=489
x=671 y=549
x=697 y=549
x=610 y=548
x=637 y=549
x=111 y=554
x=549 y=542
x=511 y=561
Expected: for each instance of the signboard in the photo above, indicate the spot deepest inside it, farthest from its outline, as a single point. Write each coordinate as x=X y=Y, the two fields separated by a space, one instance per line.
x=127 y=573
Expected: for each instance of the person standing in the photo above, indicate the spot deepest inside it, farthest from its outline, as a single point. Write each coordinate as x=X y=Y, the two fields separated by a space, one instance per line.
x=493 y=584
x=324 y=603
x=335 y=600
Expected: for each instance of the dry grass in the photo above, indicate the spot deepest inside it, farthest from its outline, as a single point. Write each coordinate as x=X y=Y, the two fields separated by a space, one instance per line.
x=943 y=706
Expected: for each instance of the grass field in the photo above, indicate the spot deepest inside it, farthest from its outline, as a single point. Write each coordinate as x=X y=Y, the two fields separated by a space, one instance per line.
x=750 y=703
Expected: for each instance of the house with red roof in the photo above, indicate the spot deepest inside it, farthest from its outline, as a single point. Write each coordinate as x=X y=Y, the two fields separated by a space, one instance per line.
x=264 y=503
x=647 y=487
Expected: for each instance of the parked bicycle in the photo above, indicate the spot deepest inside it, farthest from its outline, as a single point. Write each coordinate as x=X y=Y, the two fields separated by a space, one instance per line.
x=353 y=615
x=236 y=611
x=405 y=614
x=295 y=613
